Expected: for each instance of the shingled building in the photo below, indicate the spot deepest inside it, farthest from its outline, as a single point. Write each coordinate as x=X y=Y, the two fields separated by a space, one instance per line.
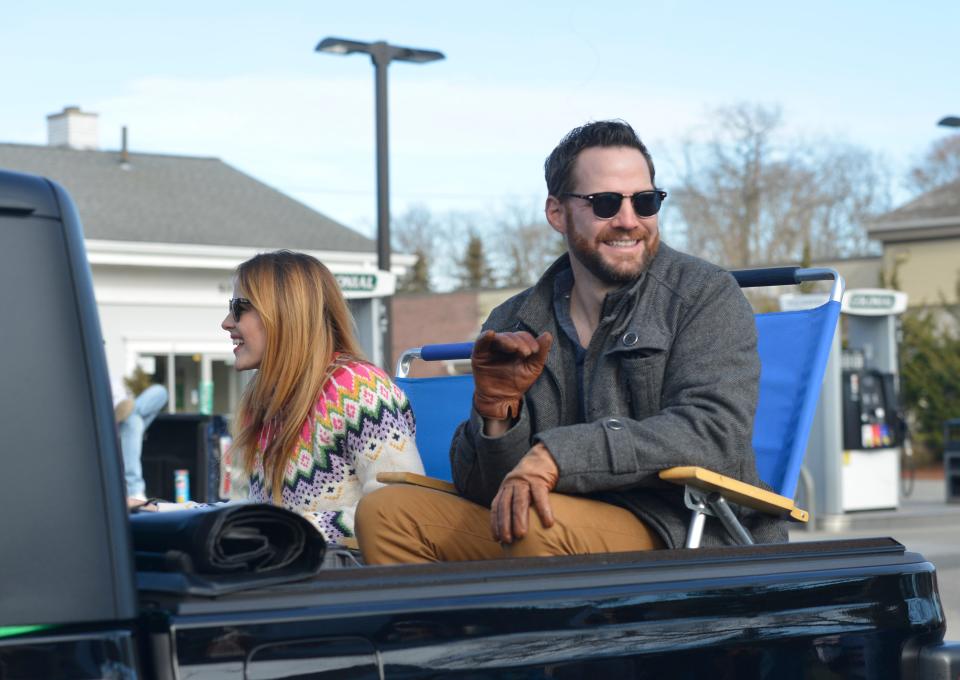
x=921 y=244
x=163 y=234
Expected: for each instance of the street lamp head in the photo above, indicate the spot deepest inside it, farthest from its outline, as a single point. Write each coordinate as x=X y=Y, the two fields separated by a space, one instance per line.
x=950 y=121
x=341 y=46
x=381 y=51
x=417 y=56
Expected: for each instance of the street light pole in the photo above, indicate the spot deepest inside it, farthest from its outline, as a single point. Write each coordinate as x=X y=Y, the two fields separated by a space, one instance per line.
x=381 y=54
x=381 y=60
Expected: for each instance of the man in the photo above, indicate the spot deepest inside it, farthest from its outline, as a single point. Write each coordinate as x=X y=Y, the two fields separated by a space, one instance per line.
x=626 y=358
x=133 y=417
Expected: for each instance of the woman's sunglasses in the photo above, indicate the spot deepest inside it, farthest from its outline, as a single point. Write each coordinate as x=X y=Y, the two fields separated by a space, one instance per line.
x=238 y=306
x=606 y=204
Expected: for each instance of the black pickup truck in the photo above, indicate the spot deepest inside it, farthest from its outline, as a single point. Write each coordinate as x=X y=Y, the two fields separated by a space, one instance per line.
x=74 y=605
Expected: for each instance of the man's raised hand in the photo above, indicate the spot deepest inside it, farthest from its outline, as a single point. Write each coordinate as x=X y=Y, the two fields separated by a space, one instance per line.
x=504 y=367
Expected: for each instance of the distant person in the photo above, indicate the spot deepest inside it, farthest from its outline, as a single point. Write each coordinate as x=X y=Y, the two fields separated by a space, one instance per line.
x=317 y=422
x=626 y=357
x=133 y=416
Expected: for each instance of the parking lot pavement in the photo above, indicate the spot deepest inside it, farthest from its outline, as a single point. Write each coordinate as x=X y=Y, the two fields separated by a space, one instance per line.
x=925 y=523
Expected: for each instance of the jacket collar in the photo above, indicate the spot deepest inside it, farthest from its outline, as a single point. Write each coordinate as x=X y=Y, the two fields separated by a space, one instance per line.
x=536 y=312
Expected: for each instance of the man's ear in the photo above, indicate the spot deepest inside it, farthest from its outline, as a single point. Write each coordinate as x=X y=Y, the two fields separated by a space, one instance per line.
x=556 y=215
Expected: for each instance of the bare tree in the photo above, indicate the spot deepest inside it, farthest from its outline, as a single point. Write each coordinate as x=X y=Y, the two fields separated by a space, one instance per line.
x=524 y=244
x=719 y=194
x=415 y=232
x=853 y=186
x=940 y=165
x=748 y=198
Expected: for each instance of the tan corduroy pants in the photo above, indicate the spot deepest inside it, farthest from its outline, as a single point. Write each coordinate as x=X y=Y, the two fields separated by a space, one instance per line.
x=401 y=524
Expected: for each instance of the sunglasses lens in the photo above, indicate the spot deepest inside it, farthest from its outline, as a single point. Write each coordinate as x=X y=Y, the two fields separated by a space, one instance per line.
x=646 y=203
x=606 y=204
x=236 y=308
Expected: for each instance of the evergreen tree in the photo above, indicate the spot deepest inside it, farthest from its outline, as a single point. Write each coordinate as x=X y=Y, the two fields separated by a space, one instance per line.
x=416 y=232
x=475 y=270
x=930 y=367
x=930 y=360
x=417 y=280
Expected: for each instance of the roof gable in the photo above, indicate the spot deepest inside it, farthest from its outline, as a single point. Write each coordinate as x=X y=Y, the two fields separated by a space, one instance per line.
x=180 y=199
x=933 y=214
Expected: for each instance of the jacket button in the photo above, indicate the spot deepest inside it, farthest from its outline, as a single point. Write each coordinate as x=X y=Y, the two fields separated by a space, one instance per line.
x=613 y=424
x=630 y=339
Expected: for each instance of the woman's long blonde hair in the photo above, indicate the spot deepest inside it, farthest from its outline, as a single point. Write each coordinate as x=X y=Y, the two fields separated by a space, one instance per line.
x=307 y=322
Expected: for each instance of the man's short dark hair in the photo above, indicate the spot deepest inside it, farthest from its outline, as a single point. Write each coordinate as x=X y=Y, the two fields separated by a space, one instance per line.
x=558 y=167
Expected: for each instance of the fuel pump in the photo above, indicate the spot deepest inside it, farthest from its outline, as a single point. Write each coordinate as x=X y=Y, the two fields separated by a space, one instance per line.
x=872 y=431
x=853 y=455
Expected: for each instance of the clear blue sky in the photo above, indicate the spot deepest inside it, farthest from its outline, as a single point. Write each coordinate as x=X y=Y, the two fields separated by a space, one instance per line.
x=241 y=81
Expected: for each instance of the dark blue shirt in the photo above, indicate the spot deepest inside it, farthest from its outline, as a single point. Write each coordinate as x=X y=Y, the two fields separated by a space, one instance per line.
x=562 y=287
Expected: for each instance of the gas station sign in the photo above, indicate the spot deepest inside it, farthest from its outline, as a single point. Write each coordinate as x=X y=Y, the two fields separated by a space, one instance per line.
x=874 y=302
x=372 y=283
x=362 y=283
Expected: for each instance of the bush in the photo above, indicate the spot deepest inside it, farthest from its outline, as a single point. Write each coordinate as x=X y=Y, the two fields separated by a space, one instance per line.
x=930 y=383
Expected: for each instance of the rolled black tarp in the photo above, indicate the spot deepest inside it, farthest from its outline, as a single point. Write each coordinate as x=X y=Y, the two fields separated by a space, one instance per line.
x=221 y=548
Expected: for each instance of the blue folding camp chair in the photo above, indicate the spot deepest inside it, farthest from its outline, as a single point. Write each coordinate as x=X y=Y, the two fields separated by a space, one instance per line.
x=793 y=348
x=439 y=404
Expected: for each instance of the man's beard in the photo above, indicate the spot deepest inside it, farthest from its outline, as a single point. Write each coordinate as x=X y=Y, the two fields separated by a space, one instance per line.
x=588 y=254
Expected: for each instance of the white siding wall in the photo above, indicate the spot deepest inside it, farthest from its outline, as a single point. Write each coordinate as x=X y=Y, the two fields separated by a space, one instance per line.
x=177 y=311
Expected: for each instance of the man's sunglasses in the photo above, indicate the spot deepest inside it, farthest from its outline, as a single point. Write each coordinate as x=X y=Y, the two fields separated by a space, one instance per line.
x=238 y=306
x=606 y=204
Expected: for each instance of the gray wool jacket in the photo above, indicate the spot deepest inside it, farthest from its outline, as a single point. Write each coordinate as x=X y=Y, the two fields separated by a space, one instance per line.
x=671 y=378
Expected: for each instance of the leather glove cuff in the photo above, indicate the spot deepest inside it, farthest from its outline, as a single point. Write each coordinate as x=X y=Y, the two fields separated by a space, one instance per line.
x=497 y=408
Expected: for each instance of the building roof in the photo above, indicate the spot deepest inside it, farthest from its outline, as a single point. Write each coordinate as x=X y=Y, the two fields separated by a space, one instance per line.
x=180 y=199
x=934 y=214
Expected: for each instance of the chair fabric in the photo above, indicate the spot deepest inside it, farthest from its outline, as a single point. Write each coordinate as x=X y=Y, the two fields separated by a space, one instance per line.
x=793 y=348
x=439 y=405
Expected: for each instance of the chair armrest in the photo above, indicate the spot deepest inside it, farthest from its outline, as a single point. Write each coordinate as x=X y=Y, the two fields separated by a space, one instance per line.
x=416 y=480
x=735 y=491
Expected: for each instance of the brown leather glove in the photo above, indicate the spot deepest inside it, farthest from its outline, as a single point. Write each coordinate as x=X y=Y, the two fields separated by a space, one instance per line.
x=504 y=367
x=529 y=483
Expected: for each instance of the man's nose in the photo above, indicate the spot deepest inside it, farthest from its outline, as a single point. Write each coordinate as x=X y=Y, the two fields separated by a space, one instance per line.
x=626 y=217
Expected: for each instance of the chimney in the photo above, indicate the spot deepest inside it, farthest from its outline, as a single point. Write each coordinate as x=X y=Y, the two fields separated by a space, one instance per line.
x=73 y=128
x=124 y=154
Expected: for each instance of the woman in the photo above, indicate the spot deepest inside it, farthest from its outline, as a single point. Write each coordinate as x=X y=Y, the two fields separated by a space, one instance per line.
x=317 y=422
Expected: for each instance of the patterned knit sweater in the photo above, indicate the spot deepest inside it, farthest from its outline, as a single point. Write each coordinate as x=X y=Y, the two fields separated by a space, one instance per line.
x=362 y=424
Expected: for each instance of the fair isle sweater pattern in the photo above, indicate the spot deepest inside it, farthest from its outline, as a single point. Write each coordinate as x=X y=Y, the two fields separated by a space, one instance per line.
x=362 y=424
